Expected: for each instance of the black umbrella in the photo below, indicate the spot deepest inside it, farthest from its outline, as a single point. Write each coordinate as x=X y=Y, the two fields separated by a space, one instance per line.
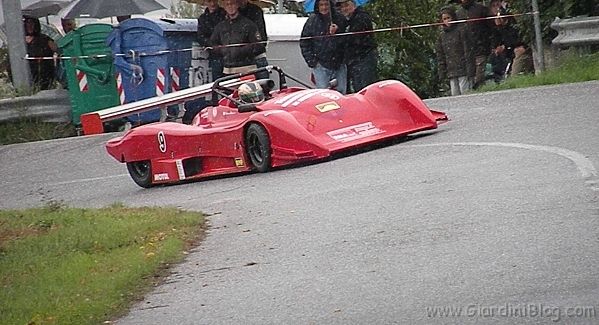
x=110 y=8
x=44 y=8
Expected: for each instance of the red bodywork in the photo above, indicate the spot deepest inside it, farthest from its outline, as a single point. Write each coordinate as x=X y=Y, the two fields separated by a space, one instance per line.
x=302 y=124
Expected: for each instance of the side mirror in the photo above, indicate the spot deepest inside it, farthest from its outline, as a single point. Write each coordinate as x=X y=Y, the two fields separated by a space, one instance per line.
x=244 y=108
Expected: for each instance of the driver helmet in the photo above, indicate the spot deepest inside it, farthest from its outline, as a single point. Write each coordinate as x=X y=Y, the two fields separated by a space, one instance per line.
x=250 y=92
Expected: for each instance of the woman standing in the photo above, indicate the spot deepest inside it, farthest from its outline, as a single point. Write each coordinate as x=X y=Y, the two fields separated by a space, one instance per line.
x=39 y=46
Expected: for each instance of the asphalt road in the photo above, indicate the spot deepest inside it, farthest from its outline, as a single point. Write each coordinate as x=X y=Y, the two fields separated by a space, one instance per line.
x=495 y=215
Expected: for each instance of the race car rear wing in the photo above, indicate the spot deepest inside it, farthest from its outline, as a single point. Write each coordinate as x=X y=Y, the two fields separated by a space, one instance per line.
x=92 y=123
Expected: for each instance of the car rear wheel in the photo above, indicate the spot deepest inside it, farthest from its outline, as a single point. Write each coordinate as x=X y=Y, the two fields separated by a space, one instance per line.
x=258 y=147
x=141 y=172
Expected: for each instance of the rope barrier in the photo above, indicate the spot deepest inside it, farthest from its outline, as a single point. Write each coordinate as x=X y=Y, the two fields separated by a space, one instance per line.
x=380 y=30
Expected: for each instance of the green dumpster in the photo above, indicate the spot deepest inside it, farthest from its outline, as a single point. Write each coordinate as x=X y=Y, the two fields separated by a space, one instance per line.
x=89 y=69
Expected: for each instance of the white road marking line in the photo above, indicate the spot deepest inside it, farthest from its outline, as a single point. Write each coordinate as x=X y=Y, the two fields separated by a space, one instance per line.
x=583 y=164
x=83 y=180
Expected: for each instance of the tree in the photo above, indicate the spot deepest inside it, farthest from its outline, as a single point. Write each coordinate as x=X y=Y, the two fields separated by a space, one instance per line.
x=549 y=9
x=408 y=54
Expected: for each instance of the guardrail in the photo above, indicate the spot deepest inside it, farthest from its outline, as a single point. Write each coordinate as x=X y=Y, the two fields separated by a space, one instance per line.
x=47 y=105
x=93 y=123
x=578 y=31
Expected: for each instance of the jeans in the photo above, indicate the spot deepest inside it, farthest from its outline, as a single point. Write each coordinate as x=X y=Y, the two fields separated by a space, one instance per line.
x=362 y=73
x=322 y=76
x=459 y=85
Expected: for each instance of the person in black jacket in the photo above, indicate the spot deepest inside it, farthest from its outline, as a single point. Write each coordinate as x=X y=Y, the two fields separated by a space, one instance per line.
x=321 y=51
x=255 y=14
x=481 y=33
x=213 y=15
x=360 y=49
x=236 y=29
x=39 y=46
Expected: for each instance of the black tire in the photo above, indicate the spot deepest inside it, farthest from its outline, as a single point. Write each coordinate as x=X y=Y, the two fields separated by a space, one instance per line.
x=257 y=144
x=141 y=173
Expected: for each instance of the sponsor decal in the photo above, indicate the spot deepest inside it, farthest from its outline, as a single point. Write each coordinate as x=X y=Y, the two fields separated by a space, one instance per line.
x=239 y=162
x=161 y=142
x=354 y=132
x=180 y=169
x=161 y=177
x=325 y=107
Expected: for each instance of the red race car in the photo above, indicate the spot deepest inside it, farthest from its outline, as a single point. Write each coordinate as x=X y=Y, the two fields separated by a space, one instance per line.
x=257 y=127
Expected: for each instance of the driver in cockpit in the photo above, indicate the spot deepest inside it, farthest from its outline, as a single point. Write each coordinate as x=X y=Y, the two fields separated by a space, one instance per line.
x=250 y=93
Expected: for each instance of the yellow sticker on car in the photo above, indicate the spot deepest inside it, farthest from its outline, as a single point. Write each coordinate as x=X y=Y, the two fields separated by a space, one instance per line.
x=328 y=106
x=239 y=162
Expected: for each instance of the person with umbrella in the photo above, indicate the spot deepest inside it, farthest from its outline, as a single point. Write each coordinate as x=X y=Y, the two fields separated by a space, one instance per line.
x=237 y=39
x=360 y=48
x=323 y=52
x=39 y=47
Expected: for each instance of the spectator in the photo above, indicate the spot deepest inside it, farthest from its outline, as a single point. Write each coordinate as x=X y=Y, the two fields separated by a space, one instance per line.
x=506 y=36
x=499 y=63
x=213 y=15
x=523 y=62
x=454 y=54
x=39 y=46
x=360 y=52
x=481 y=33
x=67 y=25
x=122 y=18
x=236 y=29
x=322 y=52
x=255 y=14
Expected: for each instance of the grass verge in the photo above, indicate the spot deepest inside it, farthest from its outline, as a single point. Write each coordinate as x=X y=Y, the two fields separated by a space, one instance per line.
x=572 y=68
x=85 y=266
x=31 y=129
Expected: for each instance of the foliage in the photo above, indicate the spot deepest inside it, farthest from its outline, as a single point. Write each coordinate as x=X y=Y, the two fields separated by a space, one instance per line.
x=572 y=68
x=548 y=10
x=408 y=54
x=61 y=265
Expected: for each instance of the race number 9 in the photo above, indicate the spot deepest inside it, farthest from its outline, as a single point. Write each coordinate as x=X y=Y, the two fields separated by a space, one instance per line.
x=161 y=142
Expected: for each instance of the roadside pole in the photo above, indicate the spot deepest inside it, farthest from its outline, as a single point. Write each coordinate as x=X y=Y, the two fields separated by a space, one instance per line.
x=538 y=36
x=16 y=43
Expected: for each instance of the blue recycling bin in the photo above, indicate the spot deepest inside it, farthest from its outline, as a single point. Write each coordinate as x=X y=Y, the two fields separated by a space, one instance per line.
x=152 y=57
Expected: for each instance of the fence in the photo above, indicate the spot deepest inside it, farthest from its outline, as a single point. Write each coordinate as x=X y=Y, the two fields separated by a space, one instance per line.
x=578 y=31
x=48 y=106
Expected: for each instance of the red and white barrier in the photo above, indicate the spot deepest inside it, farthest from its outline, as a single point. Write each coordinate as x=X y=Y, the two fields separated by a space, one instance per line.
x=119 y=88
x=175 y=79
x=82 y=80
x=160 y=82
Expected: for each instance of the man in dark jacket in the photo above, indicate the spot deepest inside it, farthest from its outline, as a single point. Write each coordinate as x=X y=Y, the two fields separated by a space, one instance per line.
x=236 y=29
x=255 y=14
x=360 y=49
x=321 y=51
x=213 y=15
x=482 y=34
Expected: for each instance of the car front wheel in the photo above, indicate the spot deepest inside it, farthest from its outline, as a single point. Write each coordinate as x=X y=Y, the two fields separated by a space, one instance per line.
x=258 y=147
x=141 y=172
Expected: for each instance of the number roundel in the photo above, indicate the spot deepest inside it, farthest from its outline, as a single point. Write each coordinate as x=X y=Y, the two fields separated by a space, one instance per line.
x=161 y=141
